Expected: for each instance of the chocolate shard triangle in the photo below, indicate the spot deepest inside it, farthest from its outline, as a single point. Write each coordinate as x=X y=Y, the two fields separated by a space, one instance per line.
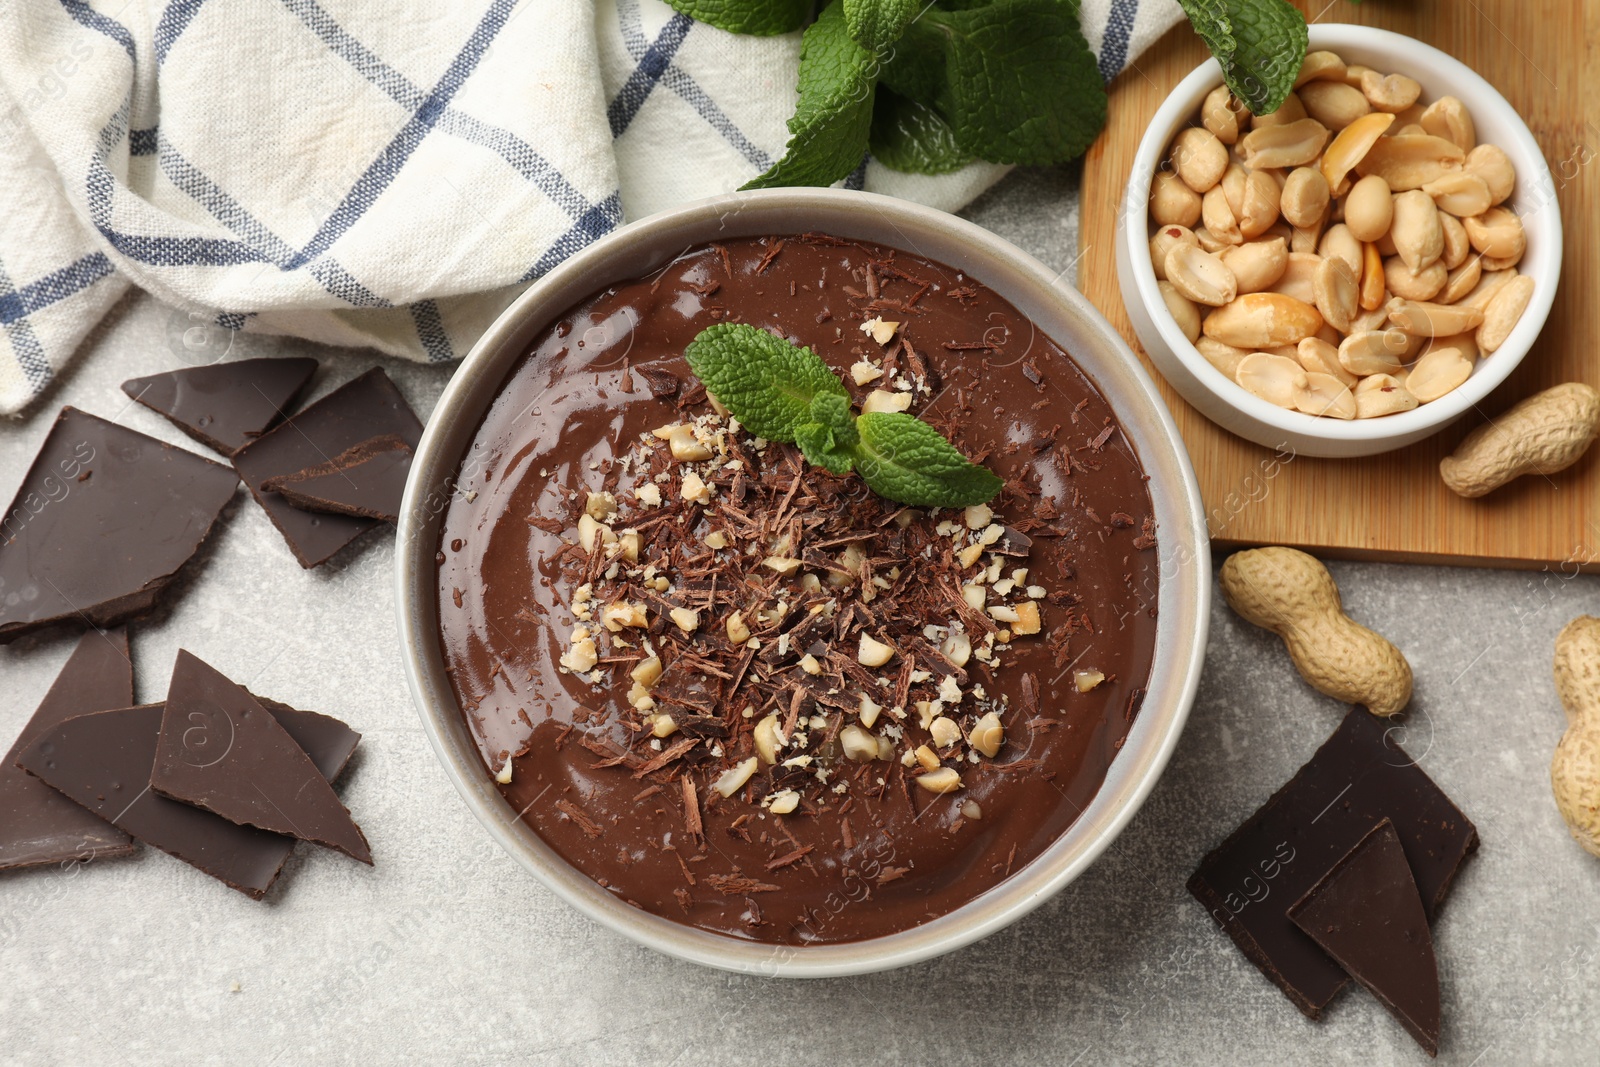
x=366 y=481
x=37 y=824
x=1367 y=914
x=329 y=742
x=368 y=407
x=1357 y=778
x=102 y=523
x=103 y=762
x=222 y=751
x=225 y=406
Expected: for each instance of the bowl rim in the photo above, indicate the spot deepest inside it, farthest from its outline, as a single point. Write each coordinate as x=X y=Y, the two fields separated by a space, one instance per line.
x=1184 y=572
x=1534 y=181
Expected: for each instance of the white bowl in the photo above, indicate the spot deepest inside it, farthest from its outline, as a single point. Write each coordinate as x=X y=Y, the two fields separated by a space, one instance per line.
x=1229 y=405
x=1183 y=592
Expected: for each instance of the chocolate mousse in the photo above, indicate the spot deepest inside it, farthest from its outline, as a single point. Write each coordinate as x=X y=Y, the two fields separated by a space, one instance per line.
x=749 y=695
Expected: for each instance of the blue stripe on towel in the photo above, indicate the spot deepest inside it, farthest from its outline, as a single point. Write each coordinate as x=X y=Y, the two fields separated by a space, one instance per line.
x=631 y=97
x=174 y=20
x=430 y=331
x=1119 y=29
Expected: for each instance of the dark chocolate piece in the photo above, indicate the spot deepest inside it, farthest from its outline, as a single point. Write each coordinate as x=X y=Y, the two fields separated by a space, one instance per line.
x=104 y=520
x=329 y=742
x=222 y=751
x=103 y=761
x=1367 y=914
x=1355 y=780
x=225 y=406
x=368 y=407
x=37 y=824
x=366 y=481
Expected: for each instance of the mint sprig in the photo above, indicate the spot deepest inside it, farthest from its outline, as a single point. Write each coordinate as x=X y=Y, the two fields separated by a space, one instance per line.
x=930 y=85
x=785 y=392
x=1259 y=43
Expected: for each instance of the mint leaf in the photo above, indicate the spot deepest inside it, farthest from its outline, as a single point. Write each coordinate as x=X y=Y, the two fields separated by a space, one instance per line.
x=916 y=67
x=905 y=459
x=828 y=132
x=910 y=136
x=760 y=18
x=817 y=444
x=832 y=410
x=766 y=382
x=1022 y=85
x=877 y=24
x=1259 y=43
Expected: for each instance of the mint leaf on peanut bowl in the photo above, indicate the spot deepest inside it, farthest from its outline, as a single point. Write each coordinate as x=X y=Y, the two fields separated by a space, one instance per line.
x=785 y=392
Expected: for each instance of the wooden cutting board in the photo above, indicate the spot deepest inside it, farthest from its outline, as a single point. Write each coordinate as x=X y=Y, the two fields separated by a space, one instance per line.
x=1394 y=506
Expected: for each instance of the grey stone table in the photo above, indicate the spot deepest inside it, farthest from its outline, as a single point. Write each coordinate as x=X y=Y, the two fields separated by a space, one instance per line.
x=447 y=951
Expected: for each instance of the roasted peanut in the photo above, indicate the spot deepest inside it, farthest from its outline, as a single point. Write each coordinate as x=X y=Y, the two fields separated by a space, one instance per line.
x=1382 y=394
x=1436 y=373
x=1199 y=158
x=1220 y=115
x=1259 y=206
x=1368 y=208
x=1372 y=352
x=1211 y=242
x=1448 y=117
x=1162 y=243
x=1432 y=320
x=1456 y=245
x=1459 y=193
x=1275 y=379
x=1290 y=144
x=1226 y=358
x=1459 y=282
x=1326 y=395
x=1409 y=285
x=1543 y=434
x=1182 y=310
x=1501 y=315
x=1200 y=276
x=1291 y=110
x=1257 y=265
x=1488 y=285
x=1219 y=218
x=1390 y=92
x=1374 y=286
x=1410 y=161
x=1491 y=163
x=1305 y=197
x=1290 y=593
x=1334 y=287
x=1172 y=203
x=1298 y=276
x=1319 y=356
x=1350 y=147
x=1497 y=232
x=1320 y=66
x=1334 y=104
x=1575 y=767
x=1339 y=241
x=1418 y=237
x=1262 y=320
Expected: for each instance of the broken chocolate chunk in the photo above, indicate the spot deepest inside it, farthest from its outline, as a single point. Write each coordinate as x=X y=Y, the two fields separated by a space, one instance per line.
x=37 y=824
x=225 y=406
x=366 y=481
x=1355 y=780
x=1366 y=914
x=220 y=750
x=103 y=521
x=368 y=407
x=103 y=761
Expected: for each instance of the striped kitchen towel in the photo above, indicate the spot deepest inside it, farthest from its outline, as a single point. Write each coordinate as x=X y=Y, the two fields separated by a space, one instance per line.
x=387 y=174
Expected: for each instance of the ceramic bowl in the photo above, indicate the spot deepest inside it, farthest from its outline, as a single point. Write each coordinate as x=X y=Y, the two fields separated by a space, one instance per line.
x=1225 y=402
x=1183 y=596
